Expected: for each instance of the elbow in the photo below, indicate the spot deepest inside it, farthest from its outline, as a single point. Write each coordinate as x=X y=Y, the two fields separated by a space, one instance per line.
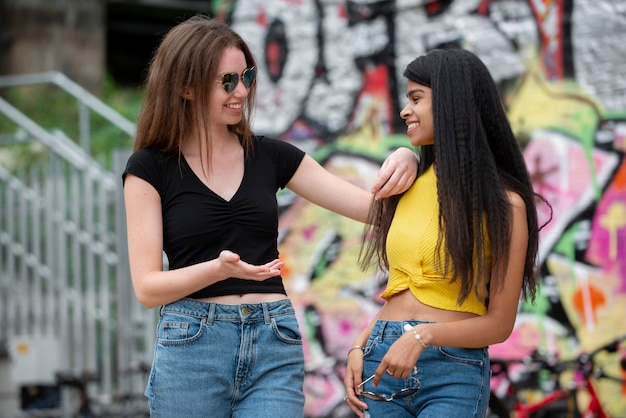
x=145 y=300
x=144 y=297
x=502 y=334
x=500 y=339
x=148 y=304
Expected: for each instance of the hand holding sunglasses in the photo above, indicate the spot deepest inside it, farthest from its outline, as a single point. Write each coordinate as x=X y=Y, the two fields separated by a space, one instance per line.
x=230 y=80
x=402 y=393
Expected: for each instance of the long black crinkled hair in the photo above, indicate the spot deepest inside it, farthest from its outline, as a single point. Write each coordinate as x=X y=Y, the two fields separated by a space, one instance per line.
x=477 y=160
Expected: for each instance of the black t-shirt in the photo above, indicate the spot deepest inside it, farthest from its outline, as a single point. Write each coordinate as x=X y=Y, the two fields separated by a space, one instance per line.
x=198 y=224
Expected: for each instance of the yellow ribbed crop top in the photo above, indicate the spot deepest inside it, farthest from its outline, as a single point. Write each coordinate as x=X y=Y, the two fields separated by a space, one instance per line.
x=411 y=244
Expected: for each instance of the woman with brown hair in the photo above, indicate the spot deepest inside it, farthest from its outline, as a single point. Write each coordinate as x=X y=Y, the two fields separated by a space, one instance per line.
x=201 y=187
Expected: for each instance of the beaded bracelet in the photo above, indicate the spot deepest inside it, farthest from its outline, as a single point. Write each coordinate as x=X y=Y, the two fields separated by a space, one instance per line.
x=408 y=327
x=419 y=338
x=356 y=347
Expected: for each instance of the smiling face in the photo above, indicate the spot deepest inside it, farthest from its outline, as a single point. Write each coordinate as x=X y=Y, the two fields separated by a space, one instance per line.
x=227 y=108
x=418 y=114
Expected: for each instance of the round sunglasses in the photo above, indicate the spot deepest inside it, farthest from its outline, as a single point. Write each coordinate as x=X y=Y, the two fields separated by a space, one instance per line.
x=230 y=80
x=402 y=393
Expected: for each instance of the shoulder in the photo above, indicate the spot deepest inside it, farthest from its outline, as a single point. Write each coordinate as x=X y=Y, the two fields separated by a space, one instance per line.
x=516 y=201
x=276 y=148
x=518 y=207
x=149 y=164
x=145 y=154
x=280 y=157
x=147 y=157
x=270 y=143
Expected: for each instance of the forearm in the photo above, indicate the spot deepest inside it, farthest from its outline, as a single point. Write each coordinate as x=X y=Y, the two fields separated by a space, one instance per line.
x=473 y=332
x=350 y=201
x=326 y=190
x=317 y=185
x=157 y=288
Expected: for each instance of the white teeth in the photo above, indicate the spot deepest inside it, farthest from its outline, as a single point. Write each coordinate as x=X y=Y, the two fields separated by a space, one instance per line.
x=411 y=126
x=234 y=106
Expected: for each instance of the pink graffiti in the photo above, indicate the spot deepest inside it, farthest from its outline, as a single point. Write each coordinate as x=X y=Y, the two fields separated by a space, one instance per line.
x=607 y=245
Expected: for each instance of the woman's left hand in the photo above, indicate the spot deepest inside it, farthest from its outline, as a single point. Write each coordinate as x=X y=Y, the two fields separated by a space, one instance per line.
x=397 y=174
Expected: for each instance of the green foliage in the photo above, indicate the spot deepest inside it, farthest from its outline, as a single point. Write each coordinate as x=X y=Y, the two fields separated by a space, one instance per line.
x=54 y=109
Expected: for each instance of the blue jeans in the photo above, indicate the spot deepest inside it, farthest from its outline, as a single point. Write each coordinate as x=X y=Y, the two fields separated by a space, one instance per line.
x=227 y=361
x=452 y=382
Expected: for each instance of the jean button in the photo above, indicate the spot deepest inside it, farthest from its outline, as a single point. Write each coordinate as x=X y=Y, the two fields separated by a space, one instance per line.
x=245 y=311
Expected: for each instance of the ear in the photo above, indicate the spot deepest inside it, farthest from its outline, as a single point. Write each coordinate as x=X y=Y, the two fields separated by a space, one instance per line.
x=187 y=93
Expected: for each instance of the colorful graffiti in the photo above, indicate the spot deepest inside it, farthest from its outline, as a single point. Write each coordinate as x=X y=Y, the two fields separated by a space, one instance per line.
x=330 y=81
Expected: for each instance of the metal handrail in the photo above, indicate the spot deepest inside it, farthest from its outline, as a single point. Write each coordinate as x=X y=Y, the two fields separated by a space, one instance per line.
x=63 y=270
x=74 y=155
x=86 y=100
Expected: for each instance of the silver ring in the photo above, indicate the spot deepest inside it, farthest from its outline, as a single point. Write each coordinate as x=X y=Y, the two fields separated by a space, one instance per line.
x=345 y=398
x=389 y=372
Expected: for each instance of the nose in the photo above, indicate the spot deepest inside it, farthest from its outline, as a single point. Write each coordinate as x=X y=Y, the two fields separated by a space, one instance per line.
x=240 y=89
x=405 y=112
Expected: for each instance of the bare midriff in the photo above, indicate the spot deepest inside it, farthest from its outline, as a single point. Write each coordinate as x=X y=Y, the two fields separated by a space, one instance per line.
x=404 y=306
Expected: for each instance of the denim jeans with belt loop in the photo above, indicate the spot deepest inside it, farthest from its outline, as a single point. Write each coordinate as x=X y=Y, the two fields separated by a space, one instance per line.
x=452 y=381
x=215 y=360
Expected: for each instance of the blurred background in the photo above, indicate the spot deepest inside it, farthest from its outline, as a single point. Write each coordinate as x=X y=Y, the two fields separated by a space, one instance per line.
x=330 y=81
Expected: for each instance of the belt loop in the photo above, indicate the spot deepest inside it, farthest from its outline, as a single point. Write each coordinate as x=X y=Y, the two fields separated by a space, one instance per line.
x=161 y=310
x=211 y=314
x=383 y=326
x=266 y=313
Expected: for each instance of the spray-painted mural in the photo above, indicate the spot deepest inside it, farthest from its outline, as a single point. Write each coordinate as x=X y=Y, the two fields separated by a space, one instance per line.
x=330 y=81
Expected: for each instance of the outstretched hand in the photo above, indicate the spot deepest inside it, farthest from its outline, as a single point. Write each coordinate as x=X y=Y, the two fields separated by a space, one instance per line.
x=397 y=174
x=231 y=265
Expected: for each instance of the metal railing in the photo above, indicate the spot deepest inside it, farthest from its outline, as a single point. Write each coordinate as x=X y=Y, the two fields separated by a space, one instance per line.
x=64 y=275
x=86 y=101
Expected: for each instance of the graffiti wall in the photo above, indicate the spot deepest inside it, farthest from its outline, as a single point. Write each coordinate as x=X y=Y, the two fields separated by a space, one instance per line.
x=330 y=81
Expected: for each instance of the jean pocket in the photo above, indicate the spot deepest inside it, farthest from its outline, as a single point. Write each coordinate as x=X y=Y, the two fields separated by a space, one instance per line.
x=176 y=328
x=470 y=356
x=286 y=329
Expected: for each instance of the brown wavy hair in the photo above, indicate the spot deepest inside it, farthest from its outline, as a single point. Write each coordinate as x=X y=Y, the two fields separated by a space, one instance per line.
x=187 y=59
x=478 y=160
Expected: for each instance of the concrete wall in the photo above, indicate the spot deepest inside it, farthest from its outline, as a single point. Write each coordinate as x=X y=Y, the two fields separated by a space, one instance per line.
x=59 y=35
